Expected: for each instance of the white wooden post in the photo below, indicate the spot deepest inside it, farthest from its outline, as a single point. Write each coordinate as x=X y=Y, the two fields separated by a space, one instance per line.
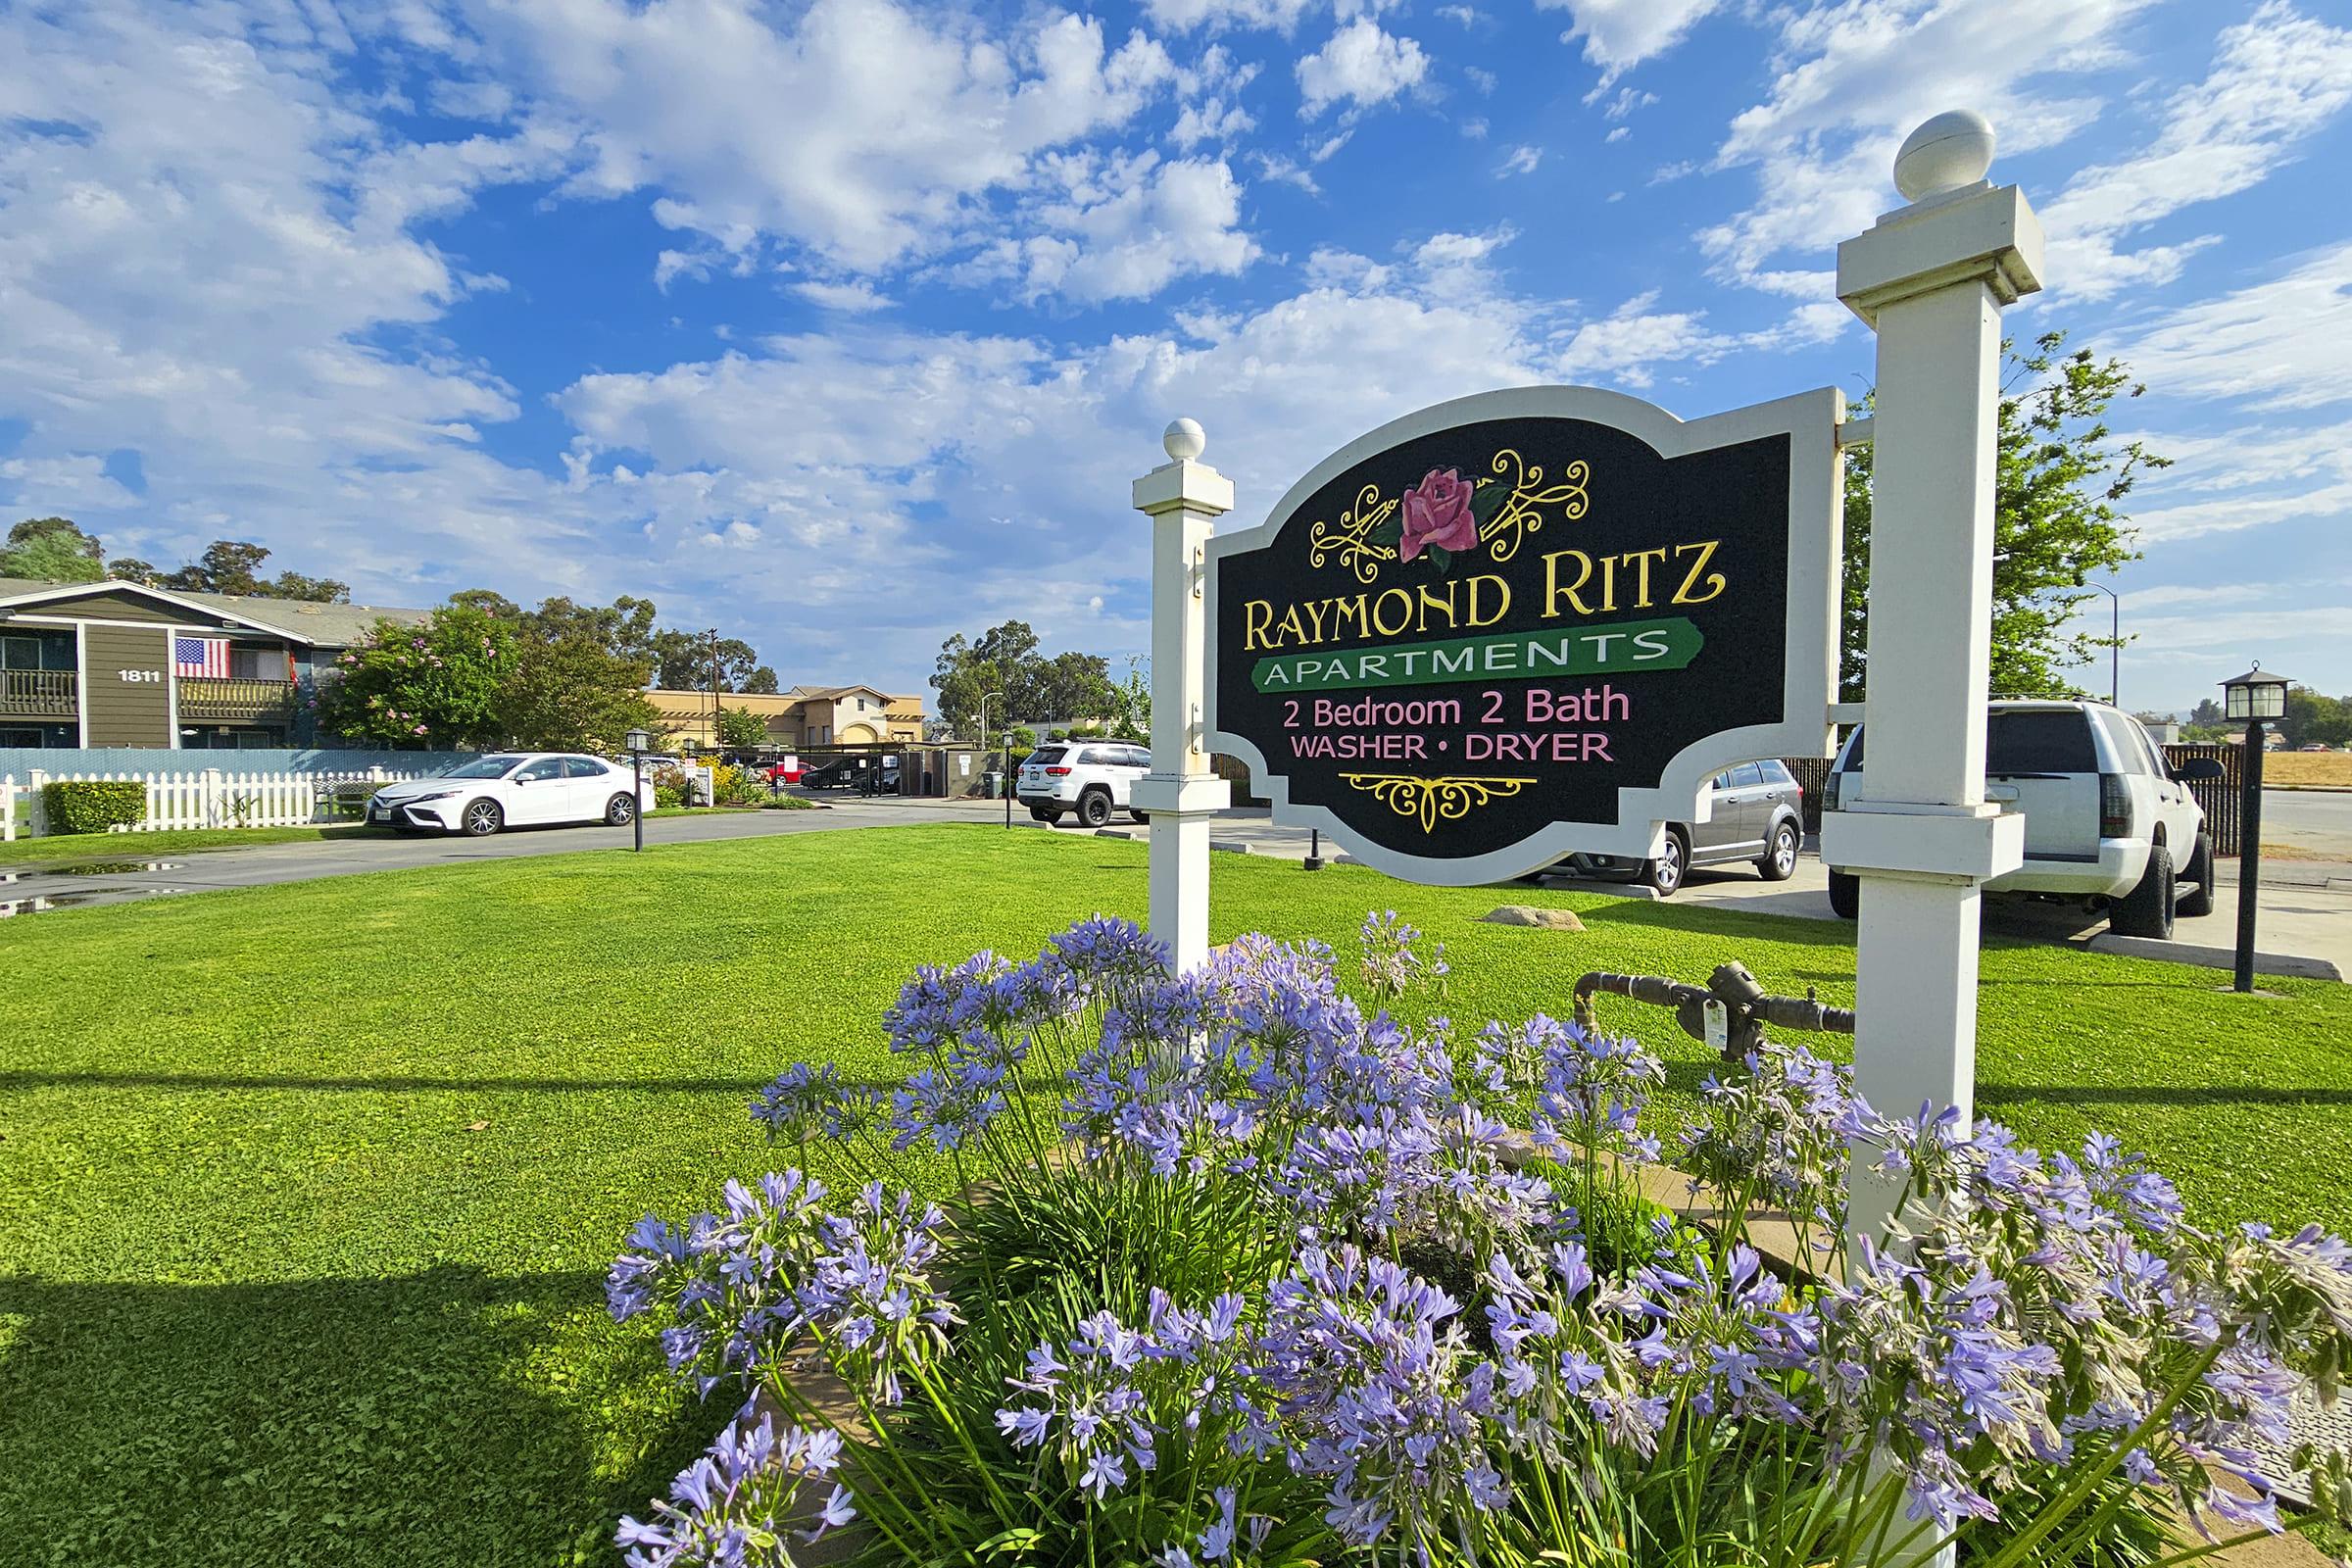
x=8 y=807
x=1183 y=497
x=36 y=816
x=1930 y=278
x=209 y=800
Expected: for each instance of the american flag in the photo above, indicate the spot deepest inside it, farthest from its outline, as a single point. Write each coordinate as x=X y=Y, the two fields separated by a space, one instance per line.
x=200 y=656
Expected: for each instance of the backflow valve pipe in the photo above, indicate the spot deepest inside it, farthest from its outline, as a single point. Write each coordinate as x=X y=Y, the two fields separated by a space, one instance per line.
x=1747 y=1008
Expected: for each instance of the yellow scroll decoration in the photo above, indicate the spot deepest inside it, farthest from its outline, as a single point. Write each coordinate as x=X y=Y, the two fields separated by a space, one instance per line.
x=1430 y=800
x=1350 y=541
x=1522 y=513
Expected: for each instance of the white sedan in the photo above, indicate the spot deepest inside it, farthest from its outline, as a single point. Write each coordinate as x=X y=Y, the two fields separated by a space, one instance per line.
x=512 y=789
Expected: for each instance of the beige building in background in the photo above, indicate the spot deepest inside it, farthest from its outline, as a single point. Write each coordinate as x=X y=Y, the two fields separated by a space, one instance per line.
x=806 y=718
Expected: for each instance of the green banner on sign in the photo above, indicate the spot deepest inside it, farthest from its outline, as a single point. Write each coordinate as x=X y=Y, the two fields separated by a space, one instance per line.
x=1623 y=648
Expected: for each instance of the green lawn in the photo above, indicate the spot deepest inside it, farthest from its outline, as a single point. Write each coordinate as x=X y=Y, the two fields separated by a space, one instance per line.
x=306 y=1192
x=83 y=846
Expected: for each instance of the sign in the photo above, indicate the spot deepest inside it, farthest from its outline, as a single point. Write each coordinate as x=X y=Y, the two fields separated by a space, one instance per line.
x=1529 y=622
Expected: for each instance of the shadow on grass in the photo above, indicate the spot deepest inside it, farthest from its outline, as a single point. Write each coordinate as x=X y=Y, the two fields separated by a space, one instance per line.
x=200 y=1082
x=321 y=1421
x=2158 y=1095
x=1790 y=930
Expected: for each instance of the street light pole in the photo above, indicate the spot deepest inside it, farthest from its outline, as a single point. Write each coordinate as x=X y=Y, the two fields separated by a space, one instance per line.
x=2249 y=854
x=1004 y=782
x=2255 y=696
x=2115 y=644
x=637 y=741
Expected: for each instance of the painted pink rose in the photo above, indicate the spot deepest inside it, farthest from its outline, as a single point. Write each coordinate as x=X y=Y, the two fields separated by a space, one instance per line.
x=1438 y=515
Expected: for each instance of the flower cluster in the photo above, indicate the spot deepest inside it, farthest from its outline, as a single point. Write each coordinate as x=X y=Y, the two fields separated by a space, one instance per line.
x=1324 y=1301
x=735 y=1506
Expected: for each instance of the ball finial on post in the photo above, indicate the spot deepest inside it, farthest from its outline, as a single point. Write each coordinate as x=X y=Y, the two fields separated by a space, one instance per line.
x=1185 y=440
x=1948 y=152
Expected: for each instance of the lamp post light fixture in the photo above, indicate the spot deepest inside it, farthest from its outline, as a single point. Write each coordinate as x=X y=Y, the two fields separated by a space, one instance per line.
x=638 y=742
x=2256 y=695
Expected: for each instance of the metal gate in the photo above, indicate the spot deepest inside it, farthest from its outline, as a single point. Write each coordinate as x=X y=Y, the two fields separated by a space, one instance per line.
x=2219 y=797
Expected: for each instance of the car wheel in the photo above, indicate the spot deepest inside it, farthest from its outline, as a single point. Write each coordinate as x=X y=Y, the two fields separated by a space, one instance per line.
x=2199 y=901
x=1040 y=814
x=481 y=819
x=1665 y=873
x=1779 y=860
x=1846 y=895
x=619 y=811
x=1140 y=817
x=2148 y=909
x=1094 y=808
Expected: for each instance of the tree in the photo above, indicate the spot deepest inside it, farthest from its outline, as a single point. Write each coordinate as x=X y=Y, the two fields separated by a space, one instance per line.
x=2058 y=488
x=682 y=664
x=438 y=686
x=1074 y=686
x=1005 y=658
x=234 y=566
x=2312 y=717
x=580 y=673
x=52 y=550
x=1131 y=711
x=2207 y=713
x=740 y=729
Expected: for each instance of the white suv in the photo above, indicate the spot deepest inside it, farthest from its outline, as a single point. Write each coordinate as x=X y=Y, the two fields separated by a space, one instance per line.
x=1088 y=776
x=2106 y=820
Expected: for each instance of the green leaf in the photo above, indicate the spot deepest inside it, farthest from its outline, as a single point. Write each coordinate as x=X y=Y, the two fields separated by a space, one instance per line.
x=1441 y=558
x=1388 y=532
x=1488 y=498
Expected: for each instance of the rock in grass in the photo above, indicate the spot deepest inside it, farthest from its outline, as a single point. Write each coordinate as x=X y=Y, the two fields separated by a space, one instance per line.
x=1528 y=915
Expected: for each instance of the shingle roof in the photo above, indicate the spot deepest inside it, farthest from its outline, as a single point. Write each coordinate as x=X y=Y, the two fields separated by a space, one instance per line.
x=327 y=625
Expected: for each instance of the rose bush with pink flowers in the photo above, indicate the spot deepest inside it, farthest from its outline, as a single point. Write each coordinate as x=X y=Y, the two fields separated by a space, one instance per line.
x=1438 y=515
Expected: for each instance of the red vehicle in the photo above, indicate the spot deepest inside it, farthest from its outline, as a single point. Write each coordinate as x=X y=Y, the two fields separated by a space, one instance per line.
x=787 y=770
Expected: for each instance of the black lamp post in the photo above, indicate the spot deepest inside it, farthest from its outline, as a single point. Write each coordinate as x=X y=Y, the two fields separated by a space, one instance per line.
x=637 y=741
x=2253 y=697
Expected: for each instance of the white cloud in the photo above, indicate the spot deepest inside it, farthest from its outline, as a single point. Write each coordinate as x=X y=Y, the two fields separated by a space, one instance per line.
x=1464 y=16
x=859 y=129
x=1618 y=135
x=1183 y=16
x=2275 y=79
x=1127 y=227
x=1618 y=35
x=1481 y=79
x=2249 y=477
x=854 y=299
x=1627 y=101
x=1520 y=159
x=47 y=485
x=1360 y=67
x=2284 y=344
x=1851 y=79
x=1212 y=120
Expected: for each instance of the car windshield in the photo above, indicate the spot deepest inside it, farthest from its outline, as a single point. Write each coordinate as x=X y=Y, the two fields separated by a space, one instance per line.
x=484 y=767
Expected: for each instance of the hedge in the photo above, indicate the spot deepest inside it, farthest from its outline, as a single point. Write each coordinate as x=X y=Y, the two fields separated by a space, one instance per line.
x=83 y=806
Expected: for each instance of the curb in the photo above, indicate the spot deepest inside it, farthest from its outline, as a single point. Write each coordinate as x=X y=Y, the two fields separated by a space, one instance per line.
x=2277 y=963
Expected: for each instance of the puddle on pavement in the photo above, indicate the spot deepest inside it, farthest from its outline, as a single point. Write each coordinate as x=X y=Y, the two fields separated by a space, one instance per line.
x=95 y=869
x=42 y=903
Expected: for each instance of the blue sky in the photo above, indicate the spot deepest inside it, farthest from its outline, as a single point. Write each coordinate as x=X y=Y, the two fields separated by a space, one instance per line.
x=845 y=325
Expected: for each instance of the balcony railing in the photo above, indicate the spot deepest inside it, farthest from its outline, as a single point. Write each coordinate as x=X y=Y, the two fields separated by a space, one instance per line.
x=235 y=700
x=41 y=692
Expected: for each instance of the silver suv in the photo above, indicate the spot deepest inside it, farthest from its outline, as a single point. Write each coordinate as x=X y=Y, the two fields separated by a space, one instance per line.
x=1757 y=814
x=1090 y=778
x=2107 y=820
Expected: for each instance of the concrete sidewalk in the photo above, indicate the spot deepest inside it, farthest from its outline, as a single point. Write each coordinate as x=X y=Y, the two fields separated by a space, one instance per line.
x=2304 y=918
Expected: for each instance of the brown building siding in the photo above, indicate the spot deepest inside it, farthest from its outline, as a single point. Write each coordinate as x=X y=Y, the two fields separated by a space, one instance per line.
x=127 y=711
x=119 y=606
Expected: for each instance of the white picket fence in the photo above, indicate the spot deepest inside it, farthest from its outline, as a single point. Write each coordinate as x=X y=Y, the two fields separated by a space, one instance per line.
x=207 y=797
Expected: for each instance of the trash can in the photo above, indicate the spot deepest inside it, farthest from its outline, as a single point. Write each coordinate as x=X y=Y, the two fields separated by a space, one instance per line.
x=992 y=784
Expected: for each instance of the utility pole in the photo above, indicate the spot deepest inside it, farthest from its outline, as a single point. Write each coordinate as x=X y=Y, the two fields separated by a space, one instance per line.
x=714 y=688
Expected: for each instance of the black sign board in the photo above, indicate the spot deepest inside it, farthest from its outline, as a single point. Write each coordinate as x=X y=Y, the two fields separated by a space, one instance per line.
x=1530 y=623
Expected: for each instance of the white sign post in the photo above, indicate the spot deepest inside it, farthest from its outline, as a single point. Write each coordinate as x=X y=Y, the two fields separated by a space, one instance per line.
x=1183 y=497
x=1930 y=278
